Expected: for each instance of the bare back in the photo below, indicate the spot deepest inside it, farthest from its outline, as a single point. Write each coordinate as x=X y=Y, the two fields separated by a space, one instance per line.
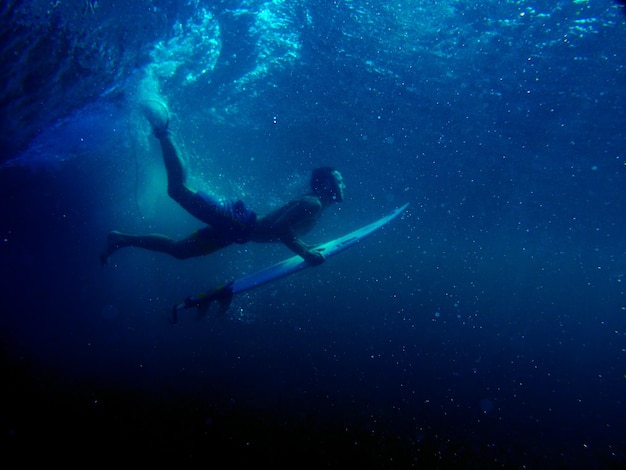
x=297 y=217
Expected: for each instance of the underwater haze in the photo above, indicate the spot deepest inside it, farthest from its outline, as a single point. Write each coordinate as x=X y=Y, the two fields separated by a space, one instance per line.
x=485 y=328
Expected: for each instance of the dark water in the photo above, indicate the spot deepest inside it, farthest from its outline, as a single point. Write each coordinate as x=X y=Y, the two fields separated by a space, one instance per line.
x=486 y=329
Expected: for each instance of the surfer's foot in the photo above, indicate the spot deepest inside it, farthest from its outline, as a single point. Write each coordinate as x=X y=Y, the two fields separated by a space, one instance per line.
x=157 y=115
x=115 y=240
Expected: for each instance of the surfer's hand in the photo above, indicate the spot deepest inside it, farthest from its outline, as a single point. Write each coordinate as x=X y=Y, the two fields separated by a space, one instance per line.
x=314 y=258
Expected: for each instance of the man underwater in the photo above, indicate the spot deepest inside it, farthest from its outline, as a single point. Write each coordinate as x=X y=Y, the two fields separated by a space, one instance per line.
x=229 y=221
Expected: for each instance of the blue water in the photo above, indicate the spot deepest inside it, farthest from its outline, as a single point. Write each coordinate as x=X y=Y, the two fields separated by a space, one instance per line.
x=485 y=329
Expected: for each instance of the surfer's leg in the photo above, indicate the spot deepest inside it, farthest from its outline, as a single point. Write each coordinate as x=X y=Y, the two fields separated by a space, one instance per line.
x=153 y=242
x=177 y=187
x=158 y=116
x=176 y=175
x=198 y=205
x=199 y=243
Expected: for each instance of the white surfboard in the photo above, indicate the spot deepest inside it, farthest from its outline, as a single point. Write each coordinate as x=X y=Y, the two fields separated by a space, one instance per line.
x=224 y=294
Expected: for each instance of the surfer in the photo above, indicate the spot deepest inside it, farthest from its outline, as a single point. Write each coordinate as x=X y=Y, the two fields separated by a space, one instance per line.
x=229 y=221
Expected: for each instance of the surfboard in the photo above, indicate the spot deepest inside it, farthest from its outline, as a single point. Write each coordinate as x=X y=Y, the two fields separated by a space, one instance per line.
x=223 y=294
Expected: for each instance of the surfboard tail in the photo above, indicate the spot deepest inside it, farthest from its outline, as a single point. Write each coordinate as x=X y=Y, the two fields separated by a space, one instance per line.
x=223 y=295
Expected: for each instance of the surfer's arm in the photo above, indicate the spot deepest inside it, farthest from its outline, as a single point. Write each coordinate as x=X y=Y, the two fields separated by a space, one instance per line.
x=296 y=245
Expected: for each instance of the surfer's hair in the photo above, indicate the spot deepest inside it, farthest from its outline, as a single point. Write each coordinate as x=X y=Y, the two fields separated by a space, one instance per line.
x=322 y=178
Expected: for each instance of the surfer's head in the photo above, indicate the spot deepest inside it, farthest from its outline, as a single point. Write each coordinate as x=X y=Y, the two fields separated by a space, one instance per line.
x=327 y=183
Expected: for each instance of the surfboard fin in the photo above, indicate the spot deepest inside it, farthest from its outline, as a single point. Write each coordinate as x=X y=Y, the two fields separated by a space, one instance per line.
x=223 y=295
